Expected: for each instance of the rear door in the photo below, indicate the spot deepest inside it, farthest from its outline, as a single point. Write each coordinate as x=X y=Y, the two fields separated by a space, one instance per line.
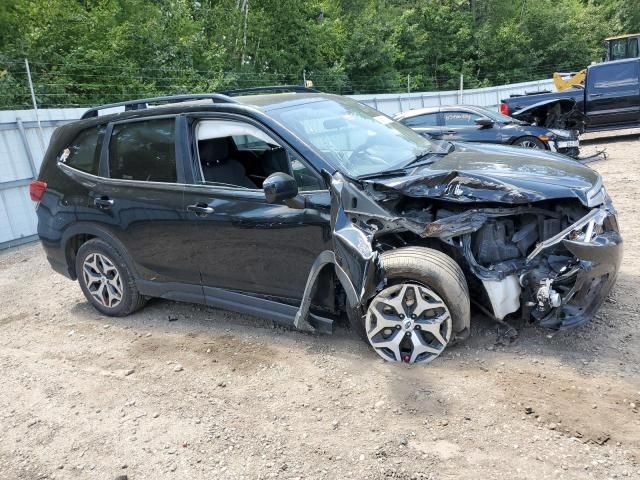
x=427 y=124
x=613 y=95
x=140 y=198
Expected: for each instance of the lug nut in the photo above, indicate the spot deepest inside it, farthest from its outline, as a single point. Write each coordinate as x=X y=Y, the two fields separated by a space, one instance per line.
x=397 y=327
x=408 y=334
x=414 y=316
x=401 y=315
x=417 y=327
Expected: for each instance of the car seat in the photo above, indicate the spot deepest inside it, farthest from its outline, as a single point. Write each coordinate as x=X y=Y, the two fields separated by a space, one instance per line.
x=219 y=167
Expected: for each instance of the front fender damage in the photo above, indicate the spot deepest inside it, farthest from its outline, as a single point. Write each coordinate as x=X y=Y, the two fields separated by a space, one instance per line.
x=355 y=261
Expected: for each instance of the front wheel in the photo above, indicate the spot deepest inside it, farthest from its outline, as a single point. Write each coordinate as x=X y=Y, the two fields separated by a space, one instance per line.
x=424 y=307
x=529 y=142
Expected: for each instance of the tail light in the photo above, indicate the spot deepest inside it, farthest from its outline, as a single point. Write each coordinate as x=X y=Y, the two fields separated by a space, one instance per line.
x=37 y=189
x=504 y=109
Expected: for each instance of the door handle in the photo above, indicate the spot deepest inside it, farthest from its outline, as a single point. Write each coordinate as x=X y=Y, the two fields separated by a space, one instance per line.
x=450 y=132
x=200 y=209
x=595 y=95
x=104 y=203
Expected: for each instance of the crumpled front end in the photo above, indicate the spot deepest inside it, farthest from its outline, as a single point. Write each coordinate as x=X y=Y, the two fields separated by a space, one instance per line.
x=525 y=251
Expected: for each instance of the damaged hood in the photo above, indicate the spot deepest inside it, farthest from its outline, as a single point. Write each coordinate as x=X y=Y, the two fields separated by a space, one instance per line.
x=496 y=173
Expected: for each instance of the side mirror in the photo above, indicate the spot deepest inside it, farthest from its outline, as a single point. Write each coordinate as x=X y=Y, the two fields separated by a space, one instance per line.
x=280 y=187
x=484 y=122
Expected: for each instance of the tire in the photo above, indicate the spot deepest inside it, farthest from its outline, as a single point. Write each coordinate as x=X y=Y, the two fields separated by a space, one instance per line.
x=431 y=269
x=94 y=258
x=529 y=142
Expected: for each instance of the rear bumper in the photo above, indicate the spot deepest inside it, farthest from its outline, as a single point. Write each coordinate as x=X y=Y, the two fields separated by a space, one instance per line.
x=57 y=260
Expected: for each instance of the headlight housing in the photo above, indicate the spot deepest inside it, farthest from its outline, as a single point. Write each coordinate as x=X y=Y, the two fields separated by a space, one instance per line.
x=560 y=133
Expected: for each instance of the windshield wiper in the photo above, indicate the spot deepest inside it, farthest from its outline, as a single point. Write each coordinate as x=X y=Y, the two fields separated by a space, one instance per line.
x=422 y=159
x=419 y=159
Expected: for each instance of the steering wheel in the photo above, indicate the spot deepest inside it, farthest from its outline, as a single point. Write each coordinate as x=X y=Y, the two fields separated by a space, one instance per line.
x=360 y=154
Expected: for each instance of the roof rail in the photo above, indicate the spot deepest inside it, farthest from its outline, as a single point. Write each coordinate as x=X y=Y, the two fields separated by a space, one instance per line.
x=273 y=88
x=142 y=104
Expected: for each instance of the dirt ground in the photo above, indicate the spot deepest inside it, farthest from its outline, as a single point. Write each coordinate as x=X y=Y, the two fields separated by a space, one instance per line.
x=179 y=391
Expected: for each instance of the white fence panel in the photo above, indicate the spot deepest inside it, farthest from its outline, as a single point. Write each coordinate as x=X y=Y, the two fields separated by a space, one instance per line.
x=22 y=147
x=392 y=103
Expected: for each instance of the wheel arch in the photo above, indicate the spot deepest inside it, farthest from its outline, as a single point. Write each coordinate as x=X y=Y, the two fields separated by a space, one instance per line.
x=79 y=233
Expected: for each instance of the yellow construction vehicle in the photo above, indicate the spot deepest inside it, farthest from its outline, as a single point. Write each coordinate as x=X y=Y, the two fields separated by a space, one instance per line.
x=562 y=81
x=622 y=46
x=615 y=48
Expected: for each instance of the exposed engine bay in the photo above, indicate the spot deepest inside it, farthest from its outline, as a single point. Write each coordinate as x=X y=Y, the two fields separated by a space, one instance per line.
x=560 y=113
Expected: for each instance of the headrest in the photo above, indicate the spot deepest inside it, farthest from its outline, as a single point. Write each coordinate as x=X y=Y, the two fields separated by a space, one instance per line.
x=215 y=150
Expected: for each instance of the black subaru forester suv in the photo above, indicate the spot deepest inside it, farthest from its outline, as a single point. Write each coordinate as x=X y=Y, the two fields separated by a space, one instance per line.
x=305 y=208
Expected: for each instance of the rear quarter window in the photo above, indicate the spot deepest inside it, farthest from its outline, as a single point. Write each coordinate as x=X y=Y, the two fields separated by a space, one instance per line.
x=426 y=120
x=84 y=152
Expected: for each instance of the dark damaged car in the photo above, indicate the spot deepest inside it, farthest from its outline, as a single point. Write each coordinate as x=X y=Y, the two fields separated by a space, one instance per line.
x=306 y=208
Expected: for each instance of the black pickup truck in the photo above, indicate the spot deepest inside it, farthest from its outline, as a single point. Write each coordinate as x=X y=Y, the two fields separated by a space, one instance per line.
x=609 y=100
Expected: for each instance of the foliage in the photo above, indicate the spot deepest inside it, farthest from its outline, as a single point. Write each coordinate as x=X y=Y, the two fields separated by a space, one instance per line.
x=94 y=51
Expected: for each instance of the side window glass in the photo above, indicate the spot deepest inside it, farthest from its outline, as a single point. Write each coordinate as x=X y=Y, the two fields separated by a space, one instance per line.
x=237 y=154
x=612 y=76
x=143 y=151
x=428 y=120
x=460 y=119
x=84 y=152
x=306 y=179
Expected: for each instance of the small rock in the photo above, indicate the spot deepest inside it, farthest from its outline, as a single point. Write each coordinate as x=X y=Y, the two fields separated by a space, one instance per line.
x=128 y=372
x=172 y=319
x=361 y=457
x=528 y=410
x=222 y=384
x=552 y=426
x=403 y=441
x=335 y=424
x=178 y=368
x=156 y=415
x=379 y=404
x=122 y=477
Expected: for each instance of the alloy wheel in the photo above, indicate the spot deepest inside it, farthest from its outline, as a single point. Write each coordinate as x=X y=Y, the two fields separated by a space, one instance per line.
x=408 y=323
x=528 y=144
x=102 y=279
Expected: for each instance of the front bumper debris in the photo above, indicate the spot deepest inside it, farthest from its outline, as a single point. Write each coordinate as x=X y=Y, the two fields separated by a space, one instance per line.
x=573 y=297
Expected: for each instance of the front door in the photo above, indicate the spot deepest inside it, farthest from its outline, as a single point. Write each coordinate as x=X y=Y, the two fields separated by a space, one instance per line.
x=613 y=95
x=242 y=242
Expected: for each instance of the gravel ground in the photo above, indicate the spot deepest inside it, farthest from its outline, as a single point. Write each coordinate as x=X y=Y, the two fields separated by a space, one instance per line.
x=178 y=391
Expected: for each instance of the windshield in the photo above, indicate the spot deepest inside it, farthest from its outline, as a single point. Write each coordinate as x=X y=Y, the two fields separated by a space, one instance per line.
x=356 y=139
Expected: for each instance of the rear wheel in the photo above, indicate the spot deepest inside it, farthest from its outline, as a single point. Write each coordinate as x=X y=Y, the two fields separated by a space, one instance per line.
x=424 y=307
x=529 y=142
x=106 y=280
